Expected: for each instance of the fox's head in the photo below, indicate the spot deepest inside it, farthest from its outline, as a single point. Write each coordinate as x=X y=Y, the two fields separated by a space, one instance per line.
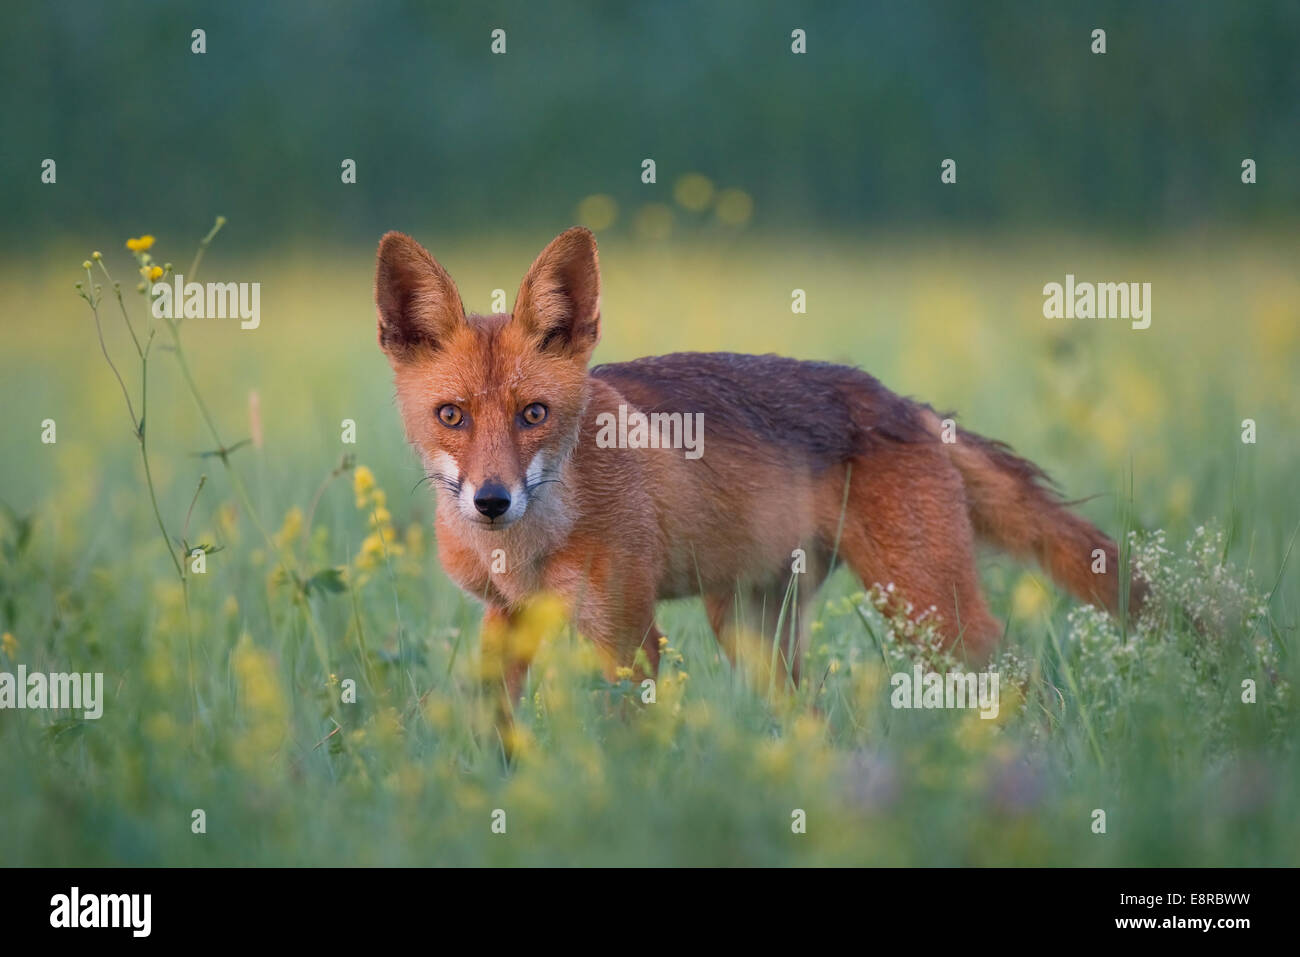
x=492 y=403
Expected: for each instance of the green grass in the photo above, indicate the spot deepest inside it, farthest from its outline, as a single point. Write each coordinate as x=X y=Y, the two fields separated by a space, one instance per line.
x=1149 y=727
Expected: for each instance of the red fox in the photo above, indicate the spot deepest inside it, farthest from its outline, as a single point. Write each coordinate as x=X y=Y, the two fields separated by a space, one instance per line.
x=795 y=458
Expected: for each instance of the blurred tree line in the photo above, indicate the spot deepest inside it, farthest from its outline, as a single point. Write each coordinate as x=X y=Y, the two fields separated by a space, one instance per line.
x=450 y=137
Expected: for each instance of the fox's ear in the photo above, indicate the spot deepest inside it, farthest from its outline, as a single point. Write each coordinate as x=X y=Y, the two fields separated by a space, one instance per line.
x=417 y=301
x=559 y=300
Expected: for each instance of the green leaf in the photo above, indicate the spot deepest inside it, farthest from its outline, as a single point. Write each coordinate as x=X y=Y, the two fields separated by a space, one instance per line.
x=326 y=580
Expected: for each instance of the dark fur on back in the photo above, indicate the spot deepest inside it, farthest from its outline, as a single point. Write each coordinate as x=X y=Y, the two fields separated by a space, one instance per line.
x=840 y=411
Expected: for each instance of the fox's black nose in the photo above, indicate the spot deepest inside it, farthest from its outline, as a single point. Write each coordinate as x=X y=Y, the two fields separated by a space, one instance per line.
x=492 y=499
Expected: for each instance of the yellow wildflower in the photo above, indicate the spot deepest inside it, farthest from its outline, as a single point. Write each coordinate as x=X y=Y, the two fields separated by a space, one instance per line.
x=1029 y=599
x=291 y=528
x=363 y=481
x=141 y=244
x=519 y=740
x=506 y=643
x=372 y=551
x=155 y=273
x=10 y=644
x=262 y=702
x=438 y=712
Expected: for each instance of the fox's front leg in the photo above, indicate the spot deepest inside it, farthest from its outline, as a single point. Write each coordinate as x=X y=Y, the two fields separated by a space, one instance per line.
x=638 y=649
x=625 y=635
x=611 y=592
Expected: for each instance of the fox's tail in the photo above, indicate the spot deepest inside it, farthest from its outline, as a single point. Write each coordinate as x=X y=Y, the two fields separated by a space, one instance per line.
x=1013 y=506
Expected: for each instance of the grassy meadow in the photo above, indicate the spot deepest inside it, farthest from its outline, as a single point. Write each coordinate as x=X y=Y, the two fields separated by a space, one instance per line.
x=226 y=695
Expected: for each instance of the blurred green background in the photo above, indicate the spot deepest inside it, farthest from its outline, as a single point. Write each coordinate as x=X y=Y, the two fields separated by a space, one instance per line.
x=775 y=171
x=452 y=139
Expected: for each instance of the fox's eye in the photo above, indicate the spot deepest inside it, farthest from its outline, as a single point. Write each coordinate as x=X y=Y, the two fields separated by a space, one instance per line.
x=534 y=414
x=450 y=416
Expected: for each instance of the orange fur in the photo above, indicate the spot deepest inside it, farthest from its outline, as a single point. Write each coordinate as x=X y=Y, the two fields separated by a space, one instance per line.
x=797 y=455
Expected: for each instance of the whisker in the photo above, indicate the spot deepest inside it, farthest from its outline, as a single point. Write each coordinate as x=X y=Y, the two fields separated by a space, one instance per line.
x=532 y=486
x=450 y=484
